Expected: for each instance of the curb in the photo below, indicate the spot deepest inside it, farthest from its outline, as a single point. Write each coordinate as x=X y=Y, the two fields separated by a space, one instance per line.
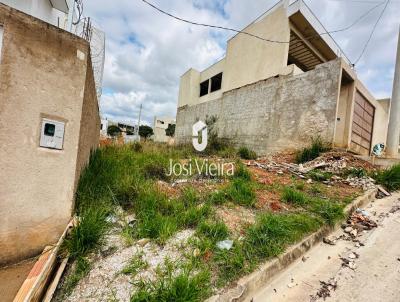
x=250 y=283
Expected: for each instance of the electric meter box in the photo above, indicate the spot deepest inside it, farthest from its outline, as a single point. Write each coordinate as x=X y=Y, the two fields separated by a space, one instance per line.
x=52 y=134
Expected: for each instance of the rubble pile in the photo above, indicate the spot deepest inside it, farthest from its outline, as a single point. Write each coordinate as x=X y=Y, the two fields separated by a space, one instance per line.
x=325 y=290
x=336 y=163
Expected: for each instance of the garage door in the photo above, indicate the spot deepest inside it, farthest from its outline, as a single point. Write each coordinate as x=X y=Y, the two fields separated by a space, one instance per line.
x=363 y=124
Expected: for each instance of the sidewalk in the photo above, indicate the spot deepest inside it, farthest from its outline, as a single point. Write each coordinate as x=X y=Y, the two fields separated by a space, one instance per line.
x=376 y=276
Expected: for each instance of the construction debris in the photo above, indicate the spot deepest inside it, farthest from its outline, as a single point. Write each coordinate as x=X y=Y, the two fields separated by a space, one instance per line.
x=225 y=244
x=334 y=163
x=329 y=241
x=325 y=291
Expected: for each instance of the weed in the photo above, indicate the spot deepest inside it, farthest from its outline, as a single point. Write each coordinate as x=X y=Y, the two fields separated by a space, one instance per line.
x=328 y=210
x=312 y=152
x=241 y=192
x=389 y=178
x=320 y=175
x=216 y=231
x=271 y=233
x=300 y=185
x=217 y=197
x=82 y=268
x=155 y=171
x=354 y=172
x=185 y=287
x=136 y=147
x=241 y=172
x=295 y=197
x=88 y=233
x=229 y=263
x=135 y=265
x=246 y=153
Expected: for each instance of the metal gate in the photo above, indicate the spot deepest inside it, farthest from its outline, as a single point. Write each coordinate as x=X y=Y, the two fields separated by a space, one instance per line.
x=363 y=124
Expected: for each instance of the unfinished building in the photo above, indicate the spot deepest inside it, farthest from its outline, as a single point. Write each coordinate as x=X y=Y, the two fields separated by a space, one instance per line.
x=276 y=93
x=49 y=124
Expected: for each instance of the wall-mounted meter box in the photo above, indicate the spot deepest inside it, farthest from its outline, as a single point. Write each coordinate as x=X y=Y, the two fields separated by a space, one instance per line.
x=52 y=134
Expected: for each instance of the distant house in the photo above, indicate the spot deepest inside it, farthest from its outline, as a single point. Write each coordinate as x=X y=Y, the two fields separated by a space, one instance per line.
x=284 y=82
x=161 y=124
x=49 y=123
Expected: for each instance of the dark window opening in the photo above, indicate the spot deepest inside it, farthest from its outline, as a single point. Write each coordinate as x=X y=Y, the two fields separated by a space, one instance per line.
x=216 y=82
x=49 y=129
x=204 y=88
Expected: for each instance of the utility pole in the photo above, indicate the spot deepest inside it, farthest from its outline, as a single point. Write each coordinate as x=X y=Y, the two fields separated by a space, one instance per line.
x=393 y=137
x=137 y=129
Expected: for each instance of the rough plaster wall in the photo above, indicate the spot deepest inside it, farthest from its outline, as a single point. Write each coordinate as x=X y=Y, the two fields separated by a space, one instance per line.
x=274 y=114
x=90 y=123
x=40 y=76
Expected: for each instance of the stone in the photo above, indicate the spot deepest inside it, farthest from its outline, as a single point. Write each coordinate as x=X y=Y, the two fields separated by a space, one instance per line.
x=143 y=242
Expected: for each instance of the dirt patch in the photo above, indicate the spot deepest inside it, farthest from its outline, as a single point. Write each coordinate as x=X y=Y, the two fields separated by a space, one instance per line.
x=270 y=178
x=236 y=218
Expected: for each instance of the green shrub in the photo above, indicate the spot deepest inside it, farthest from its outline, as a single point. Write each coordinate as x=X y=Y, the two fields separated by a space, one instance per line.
x=246 y=153
x=312 y=152
x=389 y=178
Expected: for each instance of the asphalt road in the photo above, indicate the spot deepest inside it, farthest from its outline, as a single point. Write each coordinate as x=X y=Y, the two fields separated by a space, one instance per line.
x=375 y=277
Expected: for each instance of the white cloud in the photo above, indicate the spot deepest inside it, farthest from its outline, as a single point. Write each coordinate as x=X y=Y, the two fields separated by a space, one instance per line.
x=147 y=52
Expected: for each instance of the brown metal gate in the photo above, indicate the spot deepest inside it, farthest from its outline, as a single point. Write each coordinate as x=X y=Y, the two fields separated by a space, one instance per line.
x=363 y=124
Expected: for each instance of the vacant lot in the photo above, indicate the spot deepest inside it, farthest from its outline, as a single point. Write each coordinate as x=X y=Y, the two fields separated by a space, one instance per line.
x=145 y=235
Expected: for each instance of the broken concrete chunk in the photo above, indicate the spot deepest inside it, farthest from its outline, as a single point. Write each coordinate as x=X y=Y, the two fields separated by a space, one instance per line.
x=329 y=241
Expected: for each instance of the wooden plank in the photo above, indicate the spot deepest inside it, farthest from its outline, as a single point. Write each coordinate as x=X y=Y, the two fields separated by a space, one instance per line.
x=53 y=286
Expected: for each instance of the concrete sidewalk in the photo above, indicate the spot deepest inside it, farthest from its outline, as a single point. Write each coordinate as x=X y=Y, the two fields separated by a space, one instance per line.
x=376 y=276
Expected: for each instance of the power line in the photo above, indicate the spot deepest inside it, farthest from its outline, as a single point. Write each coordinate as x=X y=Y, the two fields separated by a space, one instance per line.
x=213 y=26
x=372 y=32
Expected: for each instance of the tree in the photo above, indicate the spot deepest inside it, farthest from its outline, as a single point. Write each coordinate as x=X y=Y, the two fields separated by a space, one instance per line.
x=113 y=130
x=170 y=131
x=145 y=131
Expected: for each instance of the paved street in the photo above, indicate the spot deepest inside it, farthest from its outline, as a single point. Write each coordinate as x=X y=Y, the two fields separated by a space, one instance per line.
x=376 y=276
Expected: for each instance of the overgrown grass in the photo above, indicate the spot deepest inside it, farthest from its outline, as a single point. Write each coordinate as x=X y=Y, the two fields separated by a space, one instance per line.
x=389 y=178
x=82 y=268
x=88 y=232
x=215 y=231
x=186 y=286
x=317 y=147
x=246 y=153
x=329 y=210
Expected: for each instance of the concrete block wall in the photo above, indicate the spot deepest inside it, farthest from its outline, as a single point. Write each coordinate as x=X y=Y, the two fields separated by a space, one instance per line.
x=274 y=114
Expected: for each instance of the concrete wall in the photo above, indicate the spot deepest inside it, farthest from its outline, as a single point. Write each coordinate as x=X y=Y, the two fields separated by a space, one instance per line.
x=274 y=114
x=247 y=60
x=44 y=73
x=159 y=128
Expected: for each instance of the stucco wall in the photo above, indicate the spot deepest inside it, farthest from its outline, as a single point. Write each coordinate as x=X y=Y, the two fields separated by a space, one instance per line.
x=274 y=114
x=43 y=73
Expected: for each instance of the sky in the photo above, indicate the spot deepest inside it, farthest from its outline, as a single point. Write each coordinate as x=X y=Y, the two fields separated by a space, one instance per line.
x=147 y=52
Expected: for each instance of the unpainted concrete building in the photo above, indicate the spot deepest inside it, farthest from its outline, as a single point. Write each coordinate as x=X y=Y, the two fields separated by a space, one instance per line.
x=161 y=124
x=49 y=124
x=281 y=84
